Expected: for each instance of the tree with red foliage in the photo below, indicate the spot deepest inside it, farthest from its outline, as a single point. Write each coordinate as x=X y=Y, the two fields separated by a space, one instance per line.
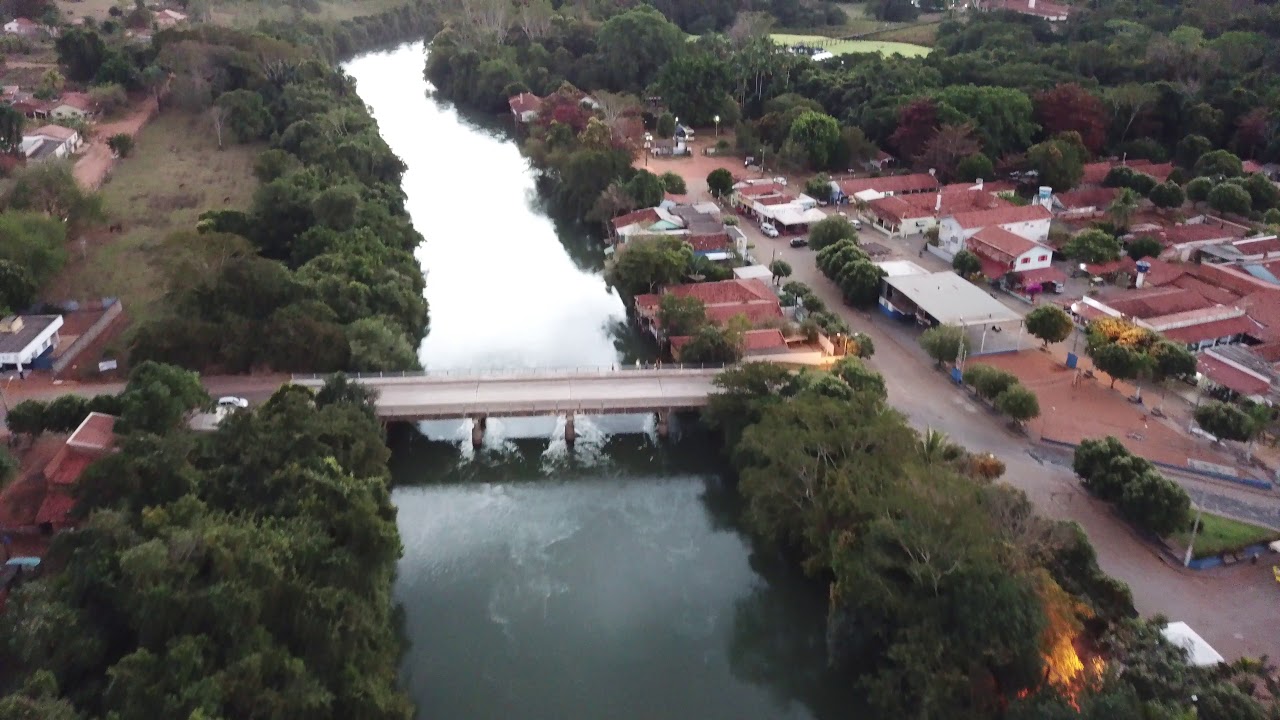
x=917 y=124
x=565 y=107
x=1069 y=107
x=1253 y=130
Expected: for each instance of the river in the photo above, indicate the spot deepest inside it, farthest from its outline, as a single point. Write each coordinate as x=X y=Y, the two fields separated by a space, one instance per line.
x=607 y=581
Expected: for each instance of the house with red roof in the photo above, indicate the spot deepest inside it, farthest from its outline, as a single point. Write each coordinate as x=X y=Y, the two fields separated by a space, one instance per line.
x=1084 y=203
x=525 y=106
x=766 y=341
x=1095 y=173
x=1002 y=252
x=1239 y=369
x=1179 y=314
x=902 y=215
x=751 y=299
x=41 y=501
x=73 y=106
x=1030 y=222
x=23 y=27
x=872 y=188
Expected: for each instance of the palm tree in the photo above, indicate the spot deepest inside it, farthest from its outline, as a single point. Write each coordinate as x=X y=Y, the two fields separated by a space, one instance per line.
x=1123 y=208
x=934 y=447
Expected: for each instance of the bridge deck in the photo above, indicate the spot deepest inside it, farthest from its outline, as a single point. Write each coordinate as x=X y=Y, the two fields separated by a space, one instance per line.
x=423 y=397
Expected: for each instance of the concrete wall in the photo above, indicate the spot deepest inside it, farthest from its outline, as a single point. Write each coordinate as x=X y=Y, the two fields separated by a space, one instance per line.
x=93 y=333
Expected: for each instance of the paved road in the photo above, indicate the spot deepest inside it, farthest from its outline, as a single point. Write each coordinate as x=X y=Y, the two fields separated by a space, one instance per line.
x=1232 y=608
x=444 y=396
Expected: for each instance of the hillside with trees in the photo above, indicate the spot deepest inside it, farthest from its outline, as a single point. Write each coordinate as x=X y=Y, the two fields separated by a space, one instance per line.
x=1001 y=92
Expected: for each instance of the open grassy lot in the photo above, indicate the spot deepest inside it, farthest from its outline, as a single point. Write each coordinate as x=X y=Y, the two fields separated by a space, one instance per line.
x=175 y=173
x=1218 y=534
x=842 y=47
x=244 y=13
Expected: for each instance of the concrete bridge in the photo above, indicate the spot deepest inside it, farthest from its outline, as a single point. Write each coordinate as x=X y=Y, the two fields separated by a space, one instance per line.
x=479 y=395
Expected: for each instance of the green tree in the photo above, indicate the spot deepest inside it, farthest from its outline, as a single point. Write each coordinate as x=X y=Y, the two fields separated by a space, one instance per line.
x=158 y=397
x=712 y=345
x=1198 y=189
x=635 y=45
x=1262 y=192
x=646 y=189
x=831 y=230
x=694 y=86
x=1019 y=403
x=666 y=125
x=11 y=123
x=50 y=188
x=8 y=466
x=992 y=383
x=1002 y=116
x=1144 y=247
x=860 y=378
x=863 y=347
x=860 y=283
x=1118 y=361
x=1155 y=504
x=26 y=418
x=121 y=144
x=818 y=135
x=673 y=183
x=1227 y=422
x=975 y=167
x=377 y=346
x=943 y=343
x=1190 y=149
x=966 y=264
x=1049 y=323
x=1230 y=198
x=1060 y=161
x=681 y=314
x=1093 y=456
x=17 y=287
x=81 y=51
x=781 y=269
x=720 y=182
x=647 y=263
x=1121 y=209
x=1167 y=196
x=1219 y=163
x=1093 y=246
x=247 y=117
x=818 y=187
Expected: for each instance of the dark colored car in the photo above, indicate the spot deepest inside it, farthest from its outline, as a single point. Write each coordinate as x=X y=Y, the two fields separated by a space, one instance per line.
x=800 y=242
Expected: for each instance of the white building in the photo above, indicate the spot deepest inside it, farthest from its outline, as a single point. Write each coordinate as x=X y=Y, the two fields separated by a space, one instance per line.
x=24 y=338
x=1026 y=221
x=50 y=141
x=1001 y=252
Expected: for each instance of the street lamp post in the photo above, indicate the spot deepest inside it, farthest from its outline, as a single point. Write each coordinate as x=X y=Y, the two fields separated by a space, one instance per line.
x=1195 y=527
x=717 y=126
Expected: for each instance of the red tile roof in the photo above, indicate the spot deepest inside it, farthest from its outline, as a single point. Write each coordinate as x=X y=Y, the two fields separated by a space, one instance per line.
x=999 y=244
x=1251 y=166
x=753 y=341
x=1216 y=294
x=956 y=200
x=1230 y=376
x=1211 y=330
x=709 y=243
x=96 y=432
x=1041 y=276
x=993 y=269
x=891 y=184
x=1177 y=234
x=776 y=200
x=1095 y=173
x=1002 y=216
x=57 y=132
x=524 y=102
x=761 y=189
x=1099 y=197
x=1231 y=278
x=1258 y=245
x=647 y=216
x=79 y=101
x=724 y=300
x=66 y=466
x=1155 y=302
x=1269 y=351
x=55 y=507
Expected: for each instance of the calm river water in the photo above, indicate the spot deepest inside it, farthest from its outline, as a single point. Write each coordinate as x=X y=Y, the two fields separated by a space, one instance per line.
x=610 y=581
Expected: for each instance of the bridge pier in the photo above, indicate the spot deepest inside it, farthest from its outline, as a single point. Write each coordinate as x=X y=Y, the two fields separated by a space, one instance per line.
x=477 y=430
x=570 y=433
x=664 y=423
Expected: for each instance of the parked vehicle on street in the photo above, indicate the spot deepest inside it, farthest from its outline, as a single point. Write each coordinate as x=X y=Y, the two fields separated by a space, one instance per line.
x=232 y=403
x=857 y=224
x=768 y=229
x=799 y=242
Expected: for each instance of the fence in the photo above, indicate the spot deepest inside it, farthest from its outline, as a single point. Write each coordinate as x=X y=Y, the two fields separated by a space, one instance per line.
x=88 y=336
x=1249 y=482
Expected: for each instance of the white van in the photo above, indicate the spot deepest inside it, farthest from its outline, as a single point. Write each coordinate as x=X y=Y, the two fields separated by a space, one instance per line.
x=768 y=229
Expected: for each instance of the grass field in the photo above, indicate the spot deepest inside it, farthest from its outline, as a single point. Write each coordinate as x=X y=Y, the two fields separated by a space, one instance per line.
x=1218 y=534
x=843 y=47
x=244 y=13
x=174 y=173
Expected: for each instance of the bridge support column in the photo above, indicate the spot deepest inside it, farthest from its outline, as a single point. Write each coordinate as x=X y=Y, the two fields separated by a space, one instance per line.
x=664 y=423
x=477 y=430
x=570 y=433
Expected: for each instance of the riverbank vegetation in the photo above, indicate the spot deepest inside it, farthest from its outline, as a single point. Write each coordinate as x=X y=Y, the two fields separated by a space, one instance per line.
x=316 y=272
x=949 y=596
x=1159 y=82
x=241 y=573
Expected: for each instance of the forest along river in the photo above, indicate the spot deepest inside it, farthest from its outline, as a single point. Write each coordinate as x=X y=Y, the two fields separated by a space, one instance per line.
x=606 y=581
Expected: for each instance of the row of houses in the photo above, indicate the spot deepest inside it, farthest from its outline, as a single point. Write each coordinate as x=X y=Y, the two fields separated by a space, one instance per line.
x=767 y=200
x=67 y=106
x=163 y=19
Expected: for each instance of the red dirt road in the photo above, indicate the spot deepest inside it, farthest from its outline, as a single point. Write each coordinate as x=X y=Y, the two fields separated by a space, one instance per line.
x=93 y=167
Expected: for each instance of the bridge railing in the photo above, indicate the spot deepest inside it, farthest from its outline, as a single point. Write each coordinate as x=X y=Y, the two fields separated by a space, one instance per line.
x=531 y=372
